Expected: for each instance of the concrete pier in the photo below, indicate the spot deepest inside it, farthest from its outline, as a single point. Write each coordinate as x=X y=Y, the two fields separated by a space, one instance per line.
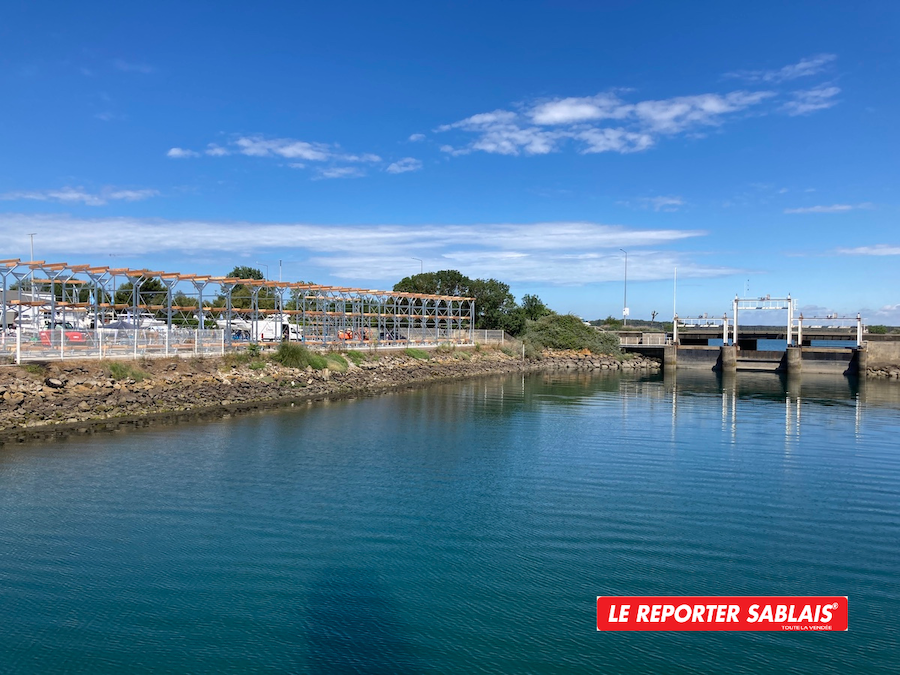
x=728 y=358
x=794 y=360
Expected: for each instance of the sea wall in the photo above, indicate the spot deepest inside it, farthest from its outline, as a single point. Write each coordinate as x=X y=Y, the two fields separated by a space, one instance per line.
x=58 y=399
x=883 y=359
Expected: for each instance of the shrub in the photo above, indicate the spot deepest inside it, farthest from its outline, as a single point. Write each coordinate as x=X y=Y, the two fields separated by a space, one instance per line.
x=257 y=365
x=565 y=331
x=122 y=371
x=292 y=355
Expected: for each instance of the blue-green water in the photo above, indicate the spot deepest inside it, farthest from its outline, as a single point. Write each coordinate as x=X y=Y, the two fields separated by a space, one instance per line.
x=464 y=528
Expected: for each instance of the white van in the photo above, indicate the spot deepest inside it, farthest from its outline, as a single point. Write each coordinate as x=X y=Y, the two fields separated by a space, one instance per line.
x=272 y=329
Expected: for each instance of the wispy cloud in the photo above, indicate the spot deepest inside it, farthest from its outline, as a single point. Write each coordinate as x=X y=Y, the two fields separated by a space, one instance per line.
x=804 y=68
x=609 y=122
x=552 y=252
x=833 y=208
x=404 y=165
x=810 y=100
x=181 y=153
x=76 y=195
x=664 y=203
x=258 y=146
x=340 y=172
x=877 y=249
x=340 y=164
x=544 y=126
x=215 y=150
x=131 y=67
x=415 y=138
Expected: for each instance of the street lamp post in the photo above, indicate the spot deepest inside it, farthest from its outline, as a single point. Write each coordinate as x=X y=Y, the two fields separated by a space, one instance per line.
x=421 y=265
x=31 y=285
x=625 y=297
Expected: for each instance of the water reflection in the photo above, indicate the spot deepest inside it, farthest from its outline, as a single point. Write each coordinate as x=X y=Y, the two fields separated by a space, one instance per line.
x=498 y=398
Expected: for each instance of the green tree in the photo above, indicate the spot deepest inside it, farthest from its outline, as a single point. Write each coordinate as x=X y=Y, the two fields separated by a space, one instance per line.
x=152 y=292
x=515 y=321
x=534 y=308
x=444 y=282
x=241 y=297
x=492 y=302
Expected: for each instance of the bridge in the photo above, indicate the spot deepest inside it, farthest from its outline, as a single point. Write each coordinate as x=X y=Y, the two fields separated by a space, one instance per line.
x=809 y=342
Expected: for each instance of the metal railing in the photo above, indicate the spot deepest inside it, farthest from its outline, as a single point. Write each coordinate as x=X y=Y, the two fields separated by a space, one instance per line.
x=61 y=344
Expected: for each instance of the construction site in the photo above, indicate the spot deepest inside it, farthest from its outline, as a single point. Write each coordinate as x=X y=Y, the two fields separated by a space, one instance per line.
x=61 y=311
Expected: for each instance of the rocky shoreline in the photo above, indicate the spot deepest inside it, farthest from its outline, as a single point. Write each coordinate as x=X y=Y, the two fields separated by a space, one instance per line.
x=889 y=372
x=40 y=401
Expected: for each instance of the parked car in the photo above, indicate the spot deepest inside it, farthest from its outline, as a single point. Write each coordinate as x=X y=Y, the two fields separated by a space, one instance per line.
x=71 y=336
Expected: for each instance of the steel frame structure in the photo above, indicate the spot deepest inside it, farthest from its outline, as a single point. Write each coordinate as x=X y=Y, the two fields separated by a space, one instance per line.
x=329 y=316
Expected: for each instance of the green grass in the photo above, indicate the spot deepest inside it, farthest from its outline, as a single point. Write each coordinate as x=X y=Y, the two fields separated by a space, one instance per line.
x=35 y=368
x=356 y=357
x=420 y=354
x=445 y=348
x=124 y=371
x=336 y=362
x=257 y=365
x=292 y=355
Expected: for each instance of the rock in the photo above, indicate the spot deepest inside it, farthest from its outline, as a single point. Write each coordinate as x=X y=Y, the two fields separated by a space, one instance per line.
x=54 y=383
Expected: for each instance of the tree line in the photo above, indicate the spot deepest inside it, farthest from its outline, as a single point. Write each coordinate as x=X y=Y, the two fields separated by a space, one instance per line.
x=495 y=306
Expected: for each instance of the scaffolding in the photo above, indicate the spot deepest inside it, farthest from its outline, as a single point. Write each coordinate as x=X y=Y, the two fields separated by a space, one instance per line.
x=40 y=299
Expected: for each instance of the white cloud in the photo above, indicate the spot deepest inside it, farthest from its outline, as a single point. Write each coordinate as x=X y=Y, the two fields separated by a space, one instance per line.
x=887 y=314
x=215 y=150
x=811 y=100
x=804 y=68
x=415 y=138
x=877 y=249
x=674 y=115
x=543 y=127
x=127 y=67
x=368 y=157
x=571 y=110
x=833 y=208
x=287 y=148
x=75 y=195
x=181 y=153
x=665 y=203
x=613 y=140
x=404 y=165
x=258 y=146
x=554 y=252
x=340 y=172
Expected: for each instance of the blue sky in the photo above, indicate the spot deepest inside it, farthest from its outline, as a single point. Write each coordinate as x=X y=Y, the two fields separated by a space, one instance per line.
x=752 y=147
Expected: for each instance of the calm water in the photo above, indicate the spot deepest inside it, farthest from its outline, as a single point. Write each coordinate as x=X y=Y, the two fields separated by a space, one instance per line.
x=466 y=528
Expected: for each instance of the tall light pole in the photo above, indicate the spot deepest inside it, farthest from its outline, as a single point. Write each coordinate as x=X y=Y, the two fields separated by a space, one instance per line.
x=421 y=265
x=31 y=286
x=625 y=298
x=267 y=269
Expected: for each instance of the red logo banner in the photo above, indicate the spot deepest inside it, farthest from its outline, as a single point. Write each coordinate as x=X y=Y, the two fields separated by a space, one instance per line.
x=783 y=613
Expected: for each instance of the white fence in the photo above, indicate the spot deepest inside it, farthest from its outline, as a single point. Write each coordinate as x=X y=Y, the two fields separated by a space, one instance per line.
x=490 y=337
x=61 y=344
